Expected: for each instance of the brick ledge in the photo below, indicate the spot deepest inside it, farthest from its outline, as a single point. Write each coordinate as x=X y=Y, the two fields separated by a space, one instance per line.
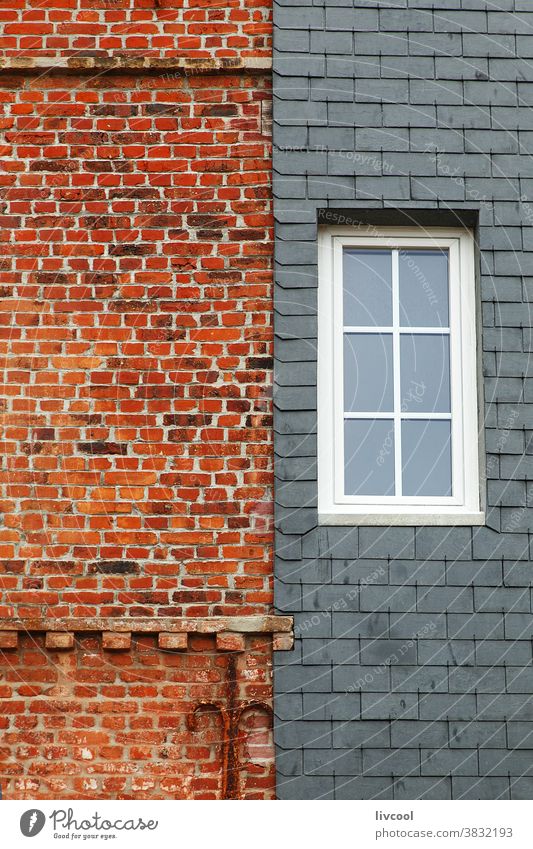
x=179 y=65
x=146 y=625
x=172 y=634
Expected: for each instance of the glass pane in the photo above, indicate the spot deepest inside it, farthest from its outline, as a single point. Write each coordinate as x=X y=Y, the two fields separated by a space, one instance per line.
x=368 y=373
x=369 y=456
x=426 y=458
x=367 y=277
x=425 y=373
x=424 y=288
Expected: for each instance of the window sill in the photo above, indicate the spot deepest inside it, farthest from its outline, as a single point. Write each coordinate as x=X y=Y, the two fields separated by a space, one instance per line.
x=409 y=519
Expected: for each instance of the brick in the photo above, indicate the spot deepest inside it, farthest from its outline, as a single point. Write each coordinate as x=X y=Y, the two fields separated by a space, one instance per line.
x=8 y=639
x=282 y=642
x=116 y=641
x=57 y=640
x=173 y=642
x=227 y=641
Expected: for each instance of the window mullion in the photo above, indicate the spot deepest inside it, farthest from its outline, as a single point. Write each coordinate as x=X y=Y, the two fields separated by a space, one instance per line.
x=396 y=371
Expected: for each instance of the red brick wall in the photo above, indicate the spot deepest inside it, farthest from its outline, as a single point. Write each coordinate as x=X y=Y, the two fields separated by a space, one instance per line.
x=135 y=334
x=163 y=28
x=92 y=724
x=135 y=348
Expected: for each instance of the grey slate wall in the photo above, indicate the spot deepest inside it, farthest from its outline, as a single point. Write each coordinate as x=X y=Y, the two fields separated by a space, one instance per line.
x=412 y=675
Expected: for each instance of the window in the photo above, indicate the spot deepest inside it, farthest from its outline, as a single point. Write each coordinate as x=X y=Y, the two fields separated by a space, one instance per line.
x=397 y=395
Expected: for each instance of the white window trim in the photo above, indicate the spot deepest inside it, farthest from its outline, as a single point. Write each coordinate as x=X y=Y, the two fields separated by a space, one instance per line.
x=335 y=508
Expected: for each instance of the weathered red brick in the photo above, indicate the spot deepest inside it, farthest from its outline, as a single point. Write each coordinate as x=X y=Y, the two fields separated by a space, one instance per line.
x=176 y=642
x=59 y=640
x=8 y=639
x=226 y=641
x=116 y=640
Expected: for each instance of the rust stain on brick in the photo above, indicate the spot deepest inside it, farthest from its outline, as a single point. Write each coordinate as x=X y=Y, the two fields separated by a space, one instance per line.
x=230 y=714
x=266 y=130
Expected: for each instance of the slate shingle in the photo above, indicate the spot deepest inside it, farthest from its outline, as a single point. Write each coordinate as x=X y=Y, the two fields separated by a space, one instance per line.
x=428 y=635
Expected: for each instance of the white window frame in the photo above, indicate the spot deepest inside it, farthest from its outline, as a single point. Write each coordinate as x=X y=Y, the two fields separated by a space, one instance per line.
x=464 y=506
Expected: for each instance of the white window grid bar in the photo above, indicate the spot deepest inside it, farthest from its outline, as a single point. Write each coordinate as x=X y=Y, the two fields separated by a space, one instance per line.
x=437 y=331
x=403 y=415
x=398 y=472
